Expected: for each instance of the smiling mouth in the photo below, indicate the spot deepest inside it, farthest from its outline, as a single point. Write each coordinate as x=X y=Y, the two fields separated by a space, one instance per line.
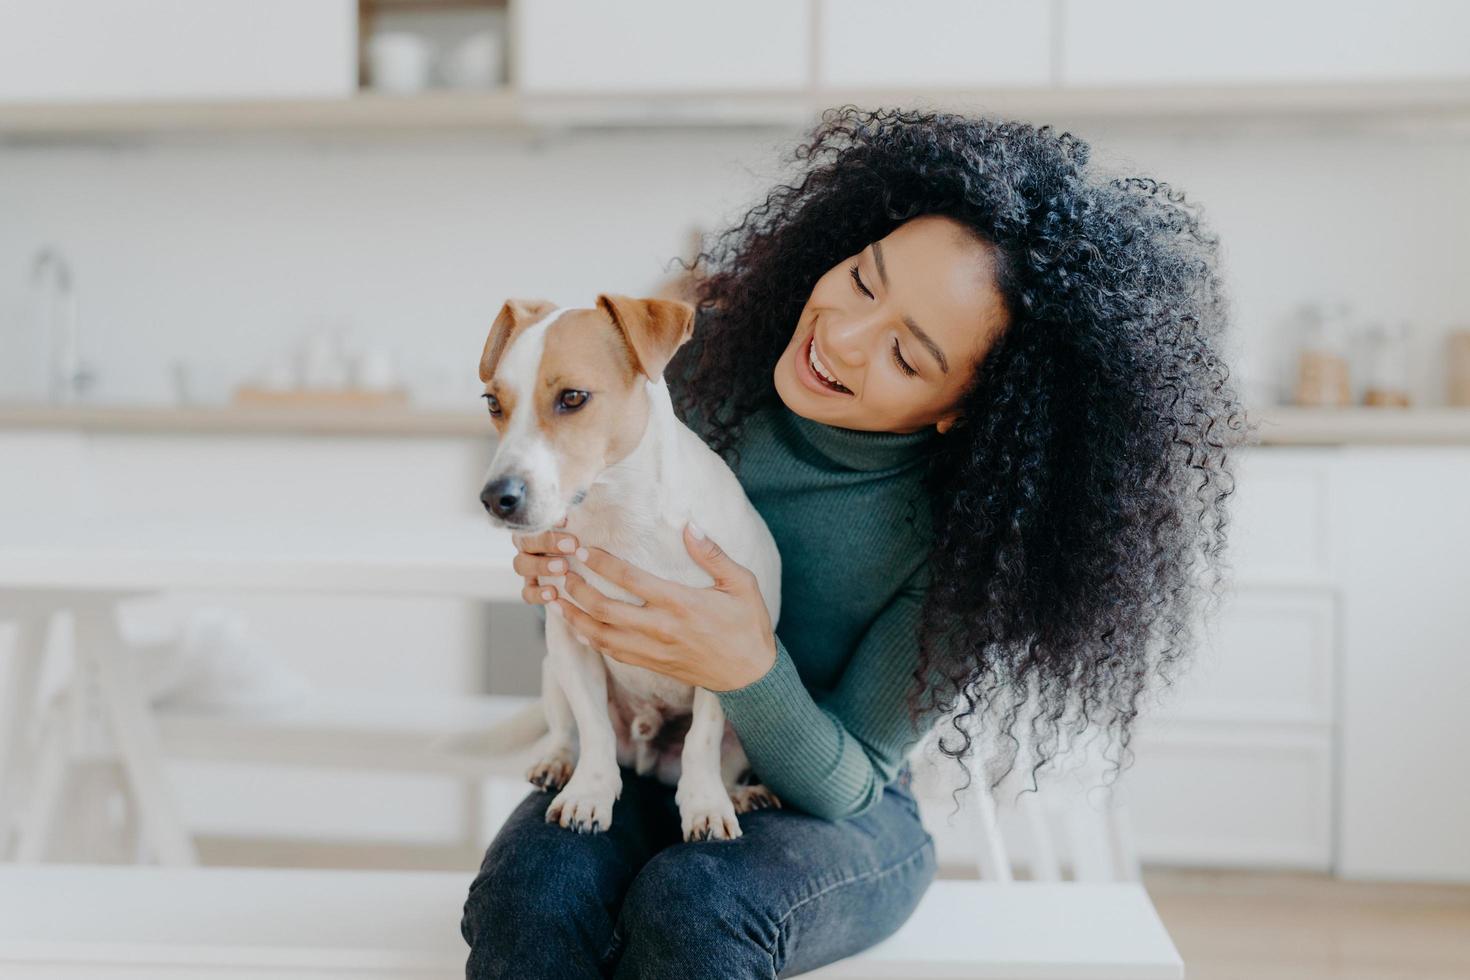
x=819 y=371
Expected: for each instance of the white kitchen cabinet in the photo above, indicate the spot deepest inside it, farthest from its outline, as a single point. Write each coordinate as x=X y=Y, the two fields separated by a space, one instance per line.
x=164 y=50
x=1402 y=555
x=1143 y=42
x=1234 y=764
x=588 y=47
x=933 y=43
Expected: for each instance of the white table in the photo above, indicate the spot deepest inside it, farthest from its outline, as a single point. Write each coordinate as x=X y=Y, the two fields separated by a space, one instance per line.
x=87 y=568
x=115 y=923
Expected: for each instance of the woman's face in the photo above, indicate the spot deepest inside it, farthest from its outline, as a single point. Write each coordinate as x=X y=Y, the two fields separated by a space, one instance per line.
x=926 y=293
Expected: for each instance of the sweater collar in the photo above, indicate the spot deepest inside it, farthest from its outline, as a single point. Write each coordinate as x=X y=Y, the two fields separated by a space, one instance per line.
x=859 y=449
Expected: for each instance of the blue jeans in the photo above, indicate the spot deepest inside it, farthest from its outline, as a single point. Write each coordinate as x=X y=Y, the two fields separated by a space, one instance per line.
x=792 y=893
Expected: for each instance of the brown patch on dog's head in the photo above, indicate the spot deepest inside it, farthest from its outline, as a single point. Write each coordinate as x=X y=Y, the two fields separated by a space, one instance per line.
x=514 y=317
x=652 y=329
x=567 y=393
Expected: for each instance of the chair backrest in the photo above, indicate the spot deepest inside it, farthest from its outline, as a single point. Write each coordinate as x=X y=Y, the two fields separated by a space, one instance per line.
x=1071 y=827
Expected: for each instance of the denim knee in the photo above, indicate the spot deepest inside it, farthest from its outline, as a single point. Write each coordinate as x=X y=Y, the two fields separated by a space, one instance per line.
x=537 y=911
x=681 y=917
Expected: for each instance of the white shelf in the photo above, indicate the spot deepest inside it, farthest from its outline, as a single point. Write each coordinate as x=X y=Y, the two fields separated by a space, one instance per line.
x=1289 y=426
x=1279 y=425
x=507 y=109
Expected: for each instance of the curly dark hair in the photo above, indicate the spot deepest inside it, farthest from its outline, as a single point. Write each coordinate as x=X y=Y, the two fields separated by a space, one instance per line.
x=1079 y=513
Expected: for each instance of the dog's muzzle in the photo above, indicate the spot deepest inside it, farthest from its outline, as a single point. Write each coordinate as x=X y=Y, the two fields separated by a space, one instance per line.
x=504 y=497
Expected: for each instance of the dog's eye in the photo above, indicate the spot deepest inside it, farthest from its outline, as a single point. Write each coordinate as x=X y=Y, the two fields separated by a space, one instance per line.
x=494 y=405
x=571 y=399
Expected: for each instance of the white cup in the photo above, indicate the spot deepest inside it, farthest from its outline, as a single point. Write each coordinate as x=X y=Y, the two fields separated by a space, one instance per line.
x=399 y=62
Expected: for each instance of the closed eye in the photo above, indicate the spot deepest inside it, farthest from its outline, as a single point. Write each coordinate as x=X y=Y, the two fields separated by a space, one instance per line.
x=902 y=364
x=858 y=279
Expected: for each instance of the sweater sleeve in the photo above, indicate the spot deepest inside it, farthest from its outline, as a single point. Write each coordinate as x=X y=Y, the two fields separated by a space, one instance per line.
x=833 y=758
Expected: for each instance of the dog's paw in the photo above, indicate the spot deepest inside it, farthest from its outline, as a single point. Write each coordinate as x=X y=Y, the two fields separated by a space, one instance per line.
x=586 y=803
x=708 y=815
x=551 y=772
x=757 y=797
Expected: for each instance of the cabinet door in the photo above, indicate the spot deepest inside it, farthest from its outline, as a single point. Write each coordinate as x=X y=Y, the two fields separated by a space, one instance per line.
x=1230 y=794
x=934 y=43
x=1131 y=42
x=657 y=46
x=1406 y=662
x=125 y=50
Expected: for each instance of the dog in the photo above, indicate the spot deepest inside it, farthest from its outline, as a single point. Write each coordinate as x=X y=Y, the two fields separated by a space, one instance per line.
x=588 y=433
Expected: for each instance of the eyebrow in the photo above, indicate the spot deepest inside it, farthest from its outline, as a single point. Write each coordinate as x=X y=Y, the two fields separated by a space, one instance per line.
x=908 y=321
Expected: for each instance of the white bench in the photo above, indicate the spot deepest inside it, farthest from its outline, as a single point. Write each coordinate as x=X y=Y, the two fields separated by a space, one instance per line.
x=130 y=923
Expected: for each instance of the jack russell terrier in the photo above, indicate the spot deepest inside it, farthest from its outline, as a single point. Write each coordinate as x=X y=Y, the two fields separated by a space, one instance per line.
x=588 y=433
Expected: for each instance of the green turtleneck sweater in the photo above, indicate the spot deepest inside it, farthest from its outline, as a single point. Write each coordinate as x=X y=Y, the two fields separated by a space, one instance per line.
x=827 y=727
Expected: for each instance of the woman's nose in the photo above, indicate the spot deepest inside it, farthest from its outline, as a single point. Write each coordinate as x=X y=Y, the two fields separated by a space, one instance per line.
x=847 y=340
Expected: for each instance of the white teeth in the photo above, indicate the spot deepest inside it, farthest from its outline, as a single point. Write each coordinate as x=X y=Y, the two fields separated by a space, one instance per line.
x=817 y=365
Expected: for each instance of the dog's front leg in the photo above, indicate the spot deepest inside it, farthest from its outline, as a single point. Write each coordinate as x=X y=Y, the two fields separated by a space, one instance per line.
x=585 y=804
x=558 y=751
x=705 y=809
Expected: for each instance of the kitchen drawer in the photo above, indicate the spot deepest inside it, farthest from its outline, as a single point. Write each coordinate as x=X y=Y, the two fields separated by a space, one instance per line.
x=1232 y=795
x=652 y=46
x=1269 y=655
x=1196 y=794
x=866 y=44
x=1279 y=528
x=124 y=50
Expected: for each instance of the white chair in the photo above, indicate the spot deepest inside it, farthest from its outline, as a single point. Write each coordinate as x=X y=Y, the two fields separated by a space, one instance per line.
x=1071 y=827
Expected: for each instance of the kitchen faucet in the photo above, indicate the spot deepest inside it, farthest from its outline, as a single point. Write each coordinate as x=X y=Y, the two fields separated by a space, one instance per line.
x=66 y=377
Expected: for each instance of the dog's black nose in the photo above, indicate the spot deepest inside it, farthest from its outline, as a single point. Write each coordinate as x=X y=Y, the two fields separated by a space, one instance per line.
x=503 y=497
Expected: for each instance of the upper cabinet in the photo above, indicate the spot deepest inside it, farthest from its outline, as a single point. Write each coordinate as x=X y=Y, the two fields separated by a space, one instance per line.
x=167 y=50
x=952 y=44
x=660 y=46
x=1150 y=42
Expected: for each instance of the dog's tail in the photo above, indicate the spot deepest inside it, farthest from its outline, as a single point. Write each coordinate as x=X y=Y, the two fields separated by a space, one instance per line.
x=512 y=733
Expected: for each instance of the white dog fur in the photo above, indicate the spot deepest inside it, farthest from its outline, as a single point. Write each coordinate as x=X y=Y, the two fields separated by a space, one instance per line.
x=597 y=712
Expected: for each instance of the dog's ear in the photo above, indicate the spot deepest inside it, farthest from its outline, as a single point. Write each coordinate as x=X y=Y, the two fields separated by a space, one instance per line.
x=514 y=315
x=653 y=328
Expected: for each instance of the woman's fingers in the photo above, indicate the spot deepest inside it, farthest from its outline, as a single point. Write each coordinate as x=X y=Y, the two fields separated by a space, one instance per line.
x=645 y=585
x=538 y=595
x=551 y=542
x=615 y=612
x=529 y=565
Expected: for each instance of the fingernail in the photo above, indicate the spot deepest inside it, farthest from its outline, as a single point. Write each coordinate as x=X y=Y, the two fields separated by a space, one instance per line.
x=582 y=639
x=567 y=545
x=581 y=554
x=548 y=594
x=696 y=530
x=557 y=565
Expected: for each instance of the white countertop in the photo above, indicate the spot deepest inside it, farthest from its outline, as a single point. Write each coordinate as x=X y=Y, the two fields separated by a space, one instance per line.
x=1279 y=425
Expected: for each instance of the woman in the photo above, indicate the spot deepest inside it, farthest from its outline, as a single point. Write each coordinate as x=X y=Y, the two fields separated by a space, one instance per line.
x=975 y=391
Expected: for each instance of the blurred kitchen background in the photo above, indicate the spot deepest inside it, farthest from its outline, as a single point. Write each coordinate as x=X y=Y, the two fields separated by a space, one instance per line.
x=250 y=250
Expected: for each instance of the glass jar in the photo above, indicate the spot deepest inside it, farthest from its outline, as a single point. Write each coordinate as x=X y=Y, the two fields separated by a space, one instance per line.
x=1322 y=375
x=1386 y=365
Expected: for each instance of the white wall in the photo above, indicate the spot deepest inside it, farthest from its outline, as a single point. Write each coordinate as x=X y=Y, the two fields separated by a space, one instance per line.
x=223 y=251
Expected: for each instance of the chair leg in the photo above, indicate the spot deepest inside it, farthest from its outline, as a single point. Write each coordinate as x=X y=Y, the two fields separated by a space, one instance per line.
x=990 y=850
x=100 y=647
x=33 y=838
x=1044 y=863
x=1125 y=851
x=20 y=693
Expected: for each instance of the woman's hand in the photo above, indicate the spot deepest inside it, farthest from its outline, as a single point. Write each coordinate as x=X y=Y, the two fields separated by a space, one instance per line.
x=718 y=637
x=535 y=555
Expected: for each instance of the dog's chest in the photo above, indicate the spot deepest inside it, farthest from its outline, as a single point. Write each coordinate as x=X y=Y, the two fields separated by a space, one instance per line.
x=655 y=545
